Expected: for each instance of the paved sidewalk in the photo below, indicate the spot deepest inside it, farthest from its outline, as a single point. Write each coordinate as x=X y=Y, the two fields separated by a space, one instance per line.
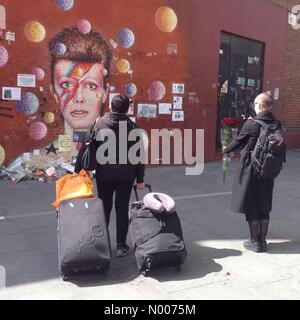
x=217 y=267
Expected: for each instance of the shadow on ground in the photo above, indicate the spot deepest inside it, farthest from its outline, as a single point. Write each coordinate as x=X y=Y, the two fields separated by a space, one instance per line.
x=288 y=247
x=199 y=263
x=28 y=237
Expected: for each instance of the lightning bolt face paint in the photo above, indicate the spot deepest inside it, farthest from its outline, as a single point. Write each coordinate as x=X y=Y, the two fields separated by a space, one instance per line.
x=79 y=87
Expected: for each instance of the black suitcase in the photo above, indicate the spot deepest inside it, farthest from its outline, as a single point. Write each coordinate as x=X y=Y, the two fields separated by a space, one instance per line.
x=83 y=238
x=157 y=238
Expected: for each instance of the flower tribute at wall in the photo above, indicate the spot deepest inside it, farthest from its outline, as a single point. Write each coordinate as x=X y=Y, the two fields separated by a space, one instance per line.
x=228 y=132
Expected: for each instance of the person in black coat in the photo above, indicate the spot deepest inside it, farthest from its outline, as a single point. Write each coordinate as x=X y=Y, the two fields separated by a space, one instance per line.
x=115 y=177
x=251 y=195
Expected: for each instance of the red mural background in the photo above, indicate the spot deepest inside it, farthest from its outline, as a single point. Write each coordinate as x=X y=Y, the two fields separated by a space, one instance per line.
x=197 y=35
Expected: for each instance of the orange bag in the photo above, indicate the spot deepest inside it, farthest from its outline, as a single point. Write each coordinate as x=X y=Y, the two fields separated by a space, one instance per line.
x=73 y=187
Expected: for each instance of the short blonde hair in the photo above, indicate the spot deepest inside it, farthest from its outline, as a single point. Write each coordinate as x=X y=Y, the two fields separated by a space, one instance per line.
x=266 y=100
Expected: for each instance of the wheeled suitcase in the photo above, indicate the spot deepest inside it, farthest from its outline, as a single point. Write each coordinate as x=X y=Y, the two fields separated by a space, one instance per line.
x=83 y=238
x=157 y=238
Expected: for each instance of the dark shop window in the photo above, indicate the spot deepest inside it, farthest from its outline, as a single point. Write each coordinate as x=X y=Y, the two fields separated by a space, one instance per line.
x=240 y=79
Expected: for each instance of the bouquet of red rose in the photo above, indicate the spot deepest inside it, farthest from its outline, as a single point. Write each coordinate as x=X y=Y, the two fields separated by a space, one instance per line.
x=230 y=122
x=228 y=131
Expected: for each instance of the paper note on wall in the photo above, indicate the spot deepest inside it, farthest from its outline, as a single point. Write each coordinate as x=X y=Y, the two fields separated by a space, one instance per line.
x=26 y=80
x=111 y=96
x=147 y=110
x=11 y=93
x=26 y=156
x=276 y=94
x=177 y=103
x=2 y=18
x=165 y=108
x=171 y=48
x=178 y=88
x=131 y=108
x=64 y=143
x=178 y=116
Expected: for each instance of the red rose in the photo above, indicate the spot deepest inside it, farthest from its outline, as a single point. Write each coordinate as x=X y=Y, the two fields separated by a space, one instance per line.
x=230 y=121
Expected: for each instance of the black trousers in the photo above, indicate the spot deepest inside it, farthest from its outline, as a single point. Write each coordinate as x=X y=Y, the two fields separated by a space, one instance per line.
x=122 y=190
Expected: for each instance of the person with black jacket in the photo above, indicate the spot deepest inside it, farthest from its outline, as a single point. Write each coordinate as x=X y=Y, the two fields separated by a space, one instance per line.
x=115 y=177
x=251 y=195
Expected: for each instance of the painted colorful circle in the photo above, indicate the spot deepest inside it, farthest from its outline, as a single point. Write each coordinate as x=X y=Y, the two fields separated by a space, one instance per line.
x=37 y=131
x=130 y=89
x=65 y=4
x=3 y=56
x=157 y=90
x=166 y=19
x=39 y=73
x=123 y=66
x=2 y=156
x=125 y=38
x=49 y=117
x=34 y=31
x=60 y=48
x=84 y=26
x=28 y=104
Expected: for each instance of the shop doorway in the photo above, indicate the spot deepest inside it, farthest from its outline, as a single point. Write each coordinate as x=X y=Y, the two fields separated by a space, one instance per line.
x=240 y=79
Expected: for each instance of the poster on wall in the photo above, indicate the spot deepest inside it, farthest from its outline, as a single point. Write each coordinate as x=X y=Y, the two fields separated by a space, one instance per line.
x=178 y=116
x=10 y=36
x=78 y=136
x=2 y=156
x=165 y=108
x=147 y=110
x=131 y=108
x=26 y=156
x=276 y=94
x=251 y=82
x=111 y=96
x=177 y=103
x=178 y=88
x=26 y=80
x=11 y=93
x=224 y=88
x=2 y=20
x=241 y=81
x=64 y=143
x=172 y=48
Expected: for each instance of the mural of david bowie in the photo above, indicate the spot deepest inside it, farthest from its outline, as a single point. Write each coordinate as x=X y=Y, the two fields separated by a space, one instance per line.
x=79 y=76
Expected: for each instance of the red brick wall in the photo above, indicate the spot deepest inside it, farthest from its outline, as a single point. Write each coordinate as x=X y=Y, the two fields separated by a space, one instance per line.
x=290 y=98
x=197 y=35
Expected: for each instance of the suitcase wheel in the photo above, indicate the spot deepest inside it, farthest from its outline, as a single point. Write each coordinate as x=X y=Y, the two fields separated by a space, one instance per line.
x=65 y=278
x=145 y=273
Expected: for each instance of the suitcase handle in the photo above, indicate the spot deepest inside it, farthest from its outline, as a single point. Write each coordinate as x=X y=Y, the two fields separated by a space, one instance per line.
x=147 y=186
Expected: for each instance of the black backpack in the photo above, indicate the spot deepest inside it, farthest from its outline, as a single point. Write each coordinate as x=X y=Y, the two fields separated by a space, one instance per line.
x=269 y=152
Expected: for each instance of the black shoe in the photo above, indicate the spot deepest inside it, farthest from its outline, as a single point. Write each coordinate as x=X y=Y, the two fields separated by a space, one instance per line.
x=252 y=246
x=263 y=246
x=122 y=251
